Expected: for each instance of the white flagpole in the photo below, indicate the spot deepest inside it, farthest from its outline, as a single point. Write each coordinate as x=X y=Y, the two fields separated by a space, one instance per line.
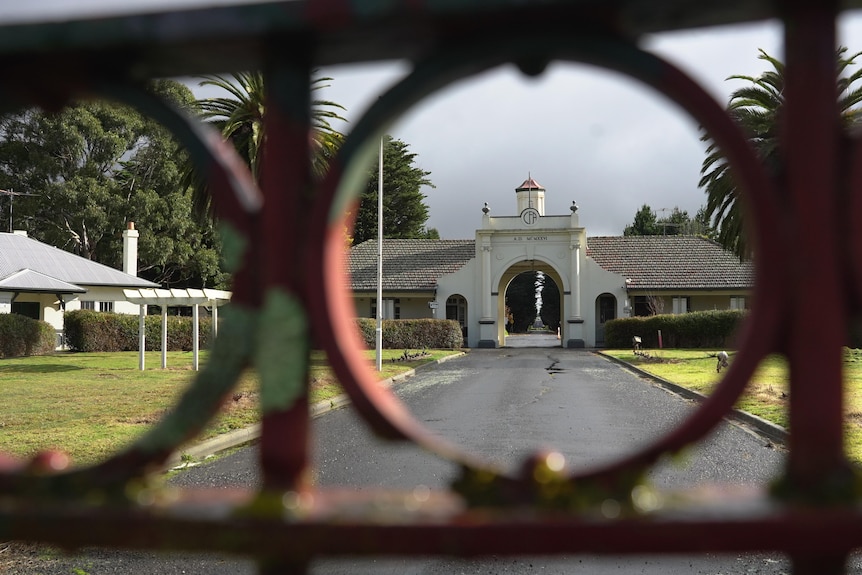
x=379 y=329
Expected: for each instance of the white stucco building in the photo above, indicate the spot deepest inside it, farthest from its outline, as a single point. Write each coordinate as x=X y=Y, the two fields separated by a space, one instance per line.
x=42 y=282
x=599 y=278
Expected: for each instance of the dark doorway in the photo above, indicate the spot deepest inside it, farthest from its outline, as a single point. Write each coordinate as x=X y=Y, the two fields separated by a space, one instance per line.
x=606 y=310
x=456 y=309
x=30 y=309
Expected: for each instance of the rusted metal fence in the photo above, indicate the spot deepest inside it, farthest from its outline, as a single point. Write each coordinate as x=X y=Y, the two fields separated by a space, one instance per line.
x=806 y=242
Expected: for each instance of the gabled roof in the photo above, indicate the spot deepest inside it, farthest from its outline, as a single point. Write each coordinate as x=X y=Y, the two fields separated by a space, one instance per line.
x=18 y=252
x=671 y=262
x=650 y=262
x=408 y=265
x=32 y=281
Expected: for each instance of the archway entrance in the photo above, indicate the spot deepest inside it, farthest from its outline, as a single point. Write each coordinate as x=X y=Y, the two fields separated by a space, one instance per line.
x=530 y=305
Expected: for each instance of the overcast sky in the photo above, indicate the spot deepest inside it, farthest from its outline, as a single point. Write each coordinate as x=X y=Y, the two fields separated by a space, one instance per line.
x=584 y=134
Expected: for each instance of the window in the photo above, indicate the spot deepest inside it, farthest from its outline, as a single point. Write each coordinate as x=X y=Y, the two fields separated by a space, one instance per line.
x=97 y=305
x=737 y=302
x=681 y=304
x=456 y=309
x=391 y=309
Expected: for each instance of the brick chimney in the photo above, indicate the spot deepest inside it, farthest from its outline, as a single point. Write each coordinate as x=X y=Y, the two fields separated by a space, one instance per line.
x=130 y=249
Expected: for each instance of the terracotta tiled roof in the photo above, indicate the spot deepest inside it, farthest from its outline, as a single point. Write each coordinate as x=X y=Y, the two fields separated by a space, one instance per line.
x=408 y=265
x=671 y=262
x=650 y=262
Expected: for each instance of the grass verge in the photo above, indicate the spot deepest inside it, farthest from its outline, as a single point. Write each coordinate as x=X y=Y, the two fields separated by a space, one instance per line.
x=91 y=404
x=767 y=393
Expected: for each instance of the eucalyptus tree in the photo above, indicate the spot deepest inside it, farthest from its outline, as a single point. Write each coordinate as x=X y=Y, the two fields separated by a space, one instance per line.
x=756 y=107
x=93 y=166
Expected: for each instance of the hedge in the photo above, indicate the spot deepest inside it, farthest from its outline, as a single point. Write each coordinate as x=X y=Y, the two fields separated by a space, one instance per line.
x=702 y=329
x=88 y=330
x=21 y=335
x=412 y=333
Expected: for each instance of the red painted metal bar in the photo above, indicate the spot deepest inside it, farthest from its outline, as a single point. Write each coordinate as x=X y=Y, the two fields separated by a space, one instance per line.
x=810 y=136
x=286 y=183
x=817 y=469
x=815 y=517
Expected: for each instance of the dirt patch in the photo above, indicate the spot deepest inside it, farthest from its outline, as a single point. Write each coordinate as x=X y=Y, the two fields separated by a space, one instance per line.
x=240 y=400
x=767 y=392
x=146 y=419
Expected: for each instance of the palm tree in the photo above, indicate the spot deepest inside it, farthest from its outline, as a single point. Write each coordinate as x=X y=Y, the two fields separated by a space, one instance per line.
x=756 y=109
x=239 y=118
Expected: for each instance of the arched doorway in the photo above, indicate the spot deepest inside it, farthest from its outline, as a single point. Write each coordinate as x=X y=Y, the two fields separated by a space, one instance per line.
x=456 y=309
x=521 y=303
x=606 y=310
x=523 y=322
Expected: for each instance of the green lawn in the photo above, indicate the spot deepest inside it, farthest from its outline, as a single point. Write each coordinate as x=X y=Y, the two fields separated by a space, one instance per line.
x=766 y=394
x=91 y=404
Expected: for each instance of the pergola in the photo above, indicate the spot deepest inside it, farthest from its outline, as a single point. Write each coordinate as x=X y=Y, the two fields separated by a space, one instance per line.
x=175 y=298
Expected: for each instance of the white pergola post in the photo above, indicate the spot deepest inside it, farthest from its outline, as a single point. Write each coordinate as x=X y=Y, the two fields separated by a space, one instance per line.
x=142 y=338
x=193 y=298
x=164 y=336
x=215 y=319
x=195 y=318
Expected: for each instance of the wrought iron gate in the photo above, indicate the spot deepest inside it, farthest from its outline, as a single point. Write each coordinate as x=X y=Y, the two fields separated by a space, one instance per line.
x=812 y=514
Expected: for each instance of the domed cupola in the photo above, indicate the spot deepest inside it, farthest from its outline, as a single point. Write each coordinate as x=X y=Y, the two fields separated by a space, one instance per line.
x=531 y=195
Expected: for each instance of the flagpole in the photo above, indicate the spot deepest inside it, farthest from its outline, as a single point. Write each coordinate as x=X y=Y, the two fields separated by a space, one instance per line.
x=379 y=329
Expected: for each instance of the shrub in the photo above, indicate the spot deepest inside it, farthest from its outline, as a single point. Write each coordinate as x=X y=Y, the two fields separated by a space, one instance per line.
x=703 y=329
x=412 y=333
x=21 y=335
x=99 y=331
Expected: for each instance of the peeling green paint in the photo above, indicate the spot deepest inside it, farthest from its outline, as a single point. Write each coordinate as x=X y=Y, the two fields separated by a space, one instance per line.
x=281 y=351
x=234 y=245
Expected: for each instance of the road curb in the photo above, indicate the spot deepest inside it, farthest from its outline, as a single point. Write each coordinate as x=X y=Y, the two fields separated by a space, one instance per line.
x=240 y=437
x=765 y=428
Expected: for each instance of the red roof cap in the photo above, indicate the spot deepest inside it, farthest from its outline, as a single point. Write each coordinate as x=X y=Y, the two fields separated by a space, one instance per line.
x=529 y=184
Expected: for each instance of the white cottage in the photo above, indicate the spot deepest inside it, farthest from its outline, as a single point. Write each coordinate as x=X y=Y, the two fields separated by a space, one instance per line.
x=599 y=278
x=42 y=282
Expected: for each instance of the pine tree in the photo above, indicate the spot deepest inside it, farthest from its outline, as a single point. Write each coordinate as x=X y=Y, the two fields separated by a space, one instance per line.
x=404 y=209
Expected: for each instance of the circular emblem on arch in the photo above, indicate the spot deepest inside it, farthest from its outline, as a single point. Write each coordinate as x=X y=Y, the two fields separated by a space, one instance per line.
x=530 y=216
